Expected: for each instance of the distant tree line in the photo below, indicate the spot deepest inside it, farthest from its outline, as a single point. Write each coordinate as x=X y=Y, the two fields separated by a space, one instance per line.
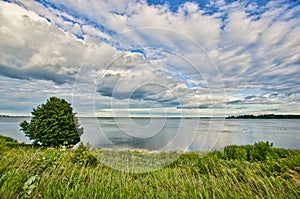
x=264 y=116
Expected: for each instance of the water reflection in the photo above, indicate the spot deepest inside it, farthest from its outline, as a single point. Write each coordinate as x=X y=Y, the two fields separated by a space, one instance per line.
x=176 y=134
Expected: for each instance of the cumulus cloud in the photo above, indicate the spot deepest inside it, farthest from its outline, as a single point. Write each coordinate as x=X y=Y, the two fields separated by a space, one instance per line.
x=33 y=48
x=153 y=53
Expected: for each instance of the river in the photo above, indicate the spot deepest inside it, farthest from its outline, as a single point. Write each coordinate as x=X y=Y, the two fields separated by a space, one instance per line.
x=184 y=134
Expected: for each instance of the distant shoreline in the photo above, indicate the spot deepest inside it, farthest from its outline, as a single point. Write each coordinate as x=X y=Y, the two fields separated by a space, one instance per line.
x=265 y=116
x=13 y=116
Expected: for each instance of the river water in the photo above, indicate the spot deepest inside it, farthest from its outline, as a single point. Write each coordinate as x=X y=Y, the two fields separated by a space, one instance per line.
x=186 y=134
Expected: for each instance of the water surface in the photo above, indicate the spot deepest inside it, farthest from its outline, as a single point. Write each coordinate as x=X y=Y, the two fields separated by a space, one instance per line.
x=180 y=134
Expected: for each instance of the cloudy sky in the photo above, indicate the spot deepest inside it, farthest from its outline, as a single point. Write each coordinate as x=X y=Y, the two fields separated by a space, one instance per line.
x=151 y=58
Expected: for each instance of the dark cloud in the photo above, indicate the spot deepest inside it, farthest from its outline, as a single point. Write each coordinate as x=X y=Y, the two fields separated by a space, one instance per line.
x=250 y=97
x=37 y=73
x=234 y=102
x=148 y=92
x=202 y=106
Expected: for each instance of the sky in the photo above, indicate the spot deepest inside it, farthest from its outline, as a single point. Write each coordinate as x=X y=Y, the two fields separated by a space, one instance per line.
x=151 y=58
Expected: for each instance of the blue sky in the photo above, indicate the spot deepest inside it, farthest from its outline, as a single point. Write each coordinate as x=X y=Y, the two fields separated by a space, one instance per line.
x=151 y=58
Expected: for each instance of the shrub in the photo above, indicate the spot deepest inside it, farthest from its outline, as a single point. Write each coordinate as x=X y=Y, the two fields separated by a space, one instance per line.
x=7 y=142
x=260 y=151
x=240 y=154
x=83 y=156
x=230 y=151
x=7 y=139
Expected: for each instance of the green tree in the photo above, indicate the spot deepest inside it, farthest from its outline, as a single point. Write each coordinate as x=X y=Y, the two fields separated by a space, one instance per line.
x=53 y=124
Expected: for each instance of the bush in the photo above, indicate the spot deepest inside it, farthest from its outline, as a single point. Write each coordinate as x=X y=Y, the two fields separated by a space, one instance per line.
x=7 y=142
x=83 y=156
x=257 y=152
x=240 y=154
x=4 y=139
x=260 y=151
x=230 y=151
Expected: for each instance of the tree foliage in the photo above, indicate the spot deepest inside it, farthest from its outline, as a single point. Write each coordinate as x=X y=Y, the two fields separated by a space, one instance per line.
x=53 y=124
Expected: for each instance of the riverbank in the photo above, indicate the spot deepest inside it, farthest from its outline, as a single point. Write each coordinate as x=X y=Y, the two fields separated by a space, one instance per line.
x=256 y=171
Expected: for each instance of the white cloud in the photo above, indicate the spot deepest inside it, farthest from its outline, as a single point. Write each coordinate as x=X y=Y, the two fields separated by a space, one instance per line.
x=94 y=42
x=29 y=42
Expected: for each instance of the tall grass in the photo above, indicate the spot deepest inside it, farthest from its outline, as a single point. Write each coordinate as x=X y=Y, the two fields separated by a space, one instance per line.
x=28 y=172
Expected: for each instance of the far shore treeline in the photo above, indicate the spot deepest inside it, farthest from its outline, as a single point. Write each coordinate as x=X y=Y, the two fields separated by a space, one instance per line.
x=265 y=116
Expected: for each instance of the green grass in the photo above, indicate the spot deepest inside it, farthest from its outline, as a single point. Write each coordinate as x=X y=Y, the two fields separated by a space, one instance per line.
x=29 y=172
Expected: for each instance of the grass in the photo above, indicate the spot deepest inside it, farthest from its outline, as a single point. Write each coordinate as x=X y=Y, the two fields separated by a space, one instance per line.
x=236 y=172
